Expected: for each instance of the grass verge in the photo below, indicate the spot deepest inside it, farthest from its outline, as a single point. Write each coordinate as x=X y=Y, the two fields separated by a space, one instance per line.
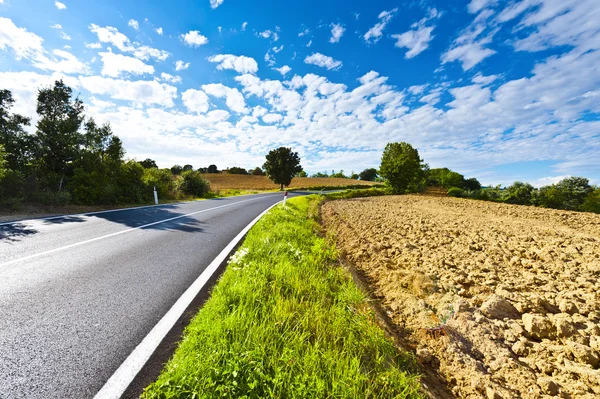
x=285 y=321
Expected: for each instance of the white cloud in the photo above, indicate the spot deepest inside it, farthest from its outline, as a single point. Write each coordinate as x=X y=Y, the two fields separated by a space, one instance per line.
x=241 y=64
x=233 y=98
x=56 y=26
x=115 y=64
x=374 y=34
x=215 y=3
x=477 y=5
x=59 y=5
x=24 y=44
x=324 y=61
x=416 y=41
x=337 y=31
x=64 y=36
x=269 y=34
x=159 y=30
x=93 y=45
x=194 y=38
x=277 y=49
x=195 y=101
x=244 y=25
x=180 y=65
x=112 y=36
x=470 y=47
x=484 y=80
x=134 y=24
x=269 y=59
x=309 y=43
x=138 y=92
x=304 y=32
x=170 y=78
x=272 y=118
x=61 y=33
x=62 y=61
x=283 y=70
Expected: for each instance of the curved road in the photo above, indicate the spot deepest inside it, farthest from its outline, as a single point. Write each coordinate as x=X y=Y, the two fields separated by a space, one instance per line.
x=78 y=293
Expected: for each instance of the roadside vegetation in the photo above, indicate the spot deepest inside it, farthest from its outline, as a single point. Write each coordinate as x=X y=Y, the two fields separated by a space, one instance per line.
x=286 y=321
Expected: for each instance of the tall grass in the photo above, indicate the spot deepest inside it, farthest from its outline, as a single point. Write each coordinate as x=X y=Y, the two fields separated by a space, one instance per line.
x=285 y=321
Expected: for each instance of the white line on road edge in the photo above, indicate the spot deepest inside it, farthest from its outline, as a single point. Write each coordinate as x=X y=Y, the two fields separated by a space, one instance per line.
x=111 y=210
x=121 y=232
x=127 y=371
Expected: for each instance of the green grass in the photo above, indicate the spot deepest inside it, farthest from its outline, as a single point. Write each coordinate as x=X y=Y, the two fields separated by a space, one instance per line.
x=286 y=321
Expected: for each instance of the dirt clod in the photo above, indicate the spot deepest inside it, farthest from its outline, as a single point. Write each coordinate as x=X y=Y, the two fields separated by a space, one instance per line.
x=512 y=292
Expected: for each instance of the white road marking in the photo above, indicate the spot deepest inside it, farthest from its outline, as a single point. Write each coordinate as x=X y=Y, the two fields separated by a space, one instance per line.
x=128 y=370
x=119 y=232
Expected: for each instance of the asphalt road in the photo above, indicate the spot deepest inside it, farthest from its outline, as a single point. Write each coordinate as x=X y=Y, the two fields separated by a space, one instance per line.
x=78 y=293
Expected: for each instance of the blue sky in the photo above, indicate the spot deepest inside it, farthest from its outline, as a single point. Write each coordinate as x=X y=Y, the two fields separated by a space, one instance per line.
x=498 y=90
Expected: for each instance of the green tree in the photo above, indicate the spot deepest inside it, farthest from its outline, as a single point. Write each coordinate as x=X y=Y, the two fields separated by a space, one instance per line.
x=301 y=174
x=213 y=169
x=3 y=168
x=149 y=163
x=472 y=184
x=339 y=175
x=518 y=193
x=236 y=170
x=574 y=191
x=368 y=174
x=57 y=134
x=320 y=174
x=444 y=177
x=176 y=169
x=257 y=172
x=282 y=165
x=592 y=202
x=17 y=143
x=187 y=167
x=192 y=183
x=402 y=168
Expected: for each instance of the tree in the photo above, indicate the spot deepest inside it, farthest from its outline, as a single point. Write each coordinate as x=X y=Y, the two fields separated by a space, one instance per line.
x=339 y=175
x=282 y=165
x=236 y=170
x=17 y=143
x=213 y=169
x=192 y=183
x=257 y=172
x=574 y=190
x=354 y=176
x=402 y=167
x=176 y=169
x=187 y=167
x=149 y=163
x=368 y=174
x=58 y=130
x=301 y=174
x=592 y=202
x=472 y=184
x=320 y=174
x=518 y=193
x=444 y=177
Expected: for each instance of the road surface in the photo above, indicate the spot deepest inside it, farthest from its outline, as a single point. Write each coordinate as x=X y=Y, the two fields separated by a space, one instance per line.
x=79 y=293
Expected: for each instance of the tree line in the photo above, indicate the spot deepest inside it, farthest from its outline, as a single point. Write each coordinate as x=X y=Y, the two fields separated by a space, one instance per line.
x=72 y=158
x=405 y=172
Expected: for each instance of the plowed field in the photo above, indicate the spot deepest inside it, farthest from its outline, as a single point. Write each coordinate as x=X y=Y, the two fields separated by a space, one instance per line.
x=503 y=301
x=224 y=181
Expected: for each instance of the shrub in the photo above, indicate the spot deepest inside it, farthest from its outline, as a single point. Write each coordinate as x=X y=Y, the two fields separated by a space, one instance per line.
x=131 y=187
x=472 y=184
x=518 y=193
x=192 y=183
x=592 y=202
x=53 y=198
x=162 y=179
x=456 y=192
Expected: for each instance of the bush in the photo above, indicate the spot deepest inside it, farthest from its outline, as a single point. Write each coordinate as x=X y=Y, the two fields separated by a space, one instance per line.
x=162 y=179
x=53 y=198
x=518 y=193
x=592 y=202
x=456 y=192
x=192 y=183
x=131 y=186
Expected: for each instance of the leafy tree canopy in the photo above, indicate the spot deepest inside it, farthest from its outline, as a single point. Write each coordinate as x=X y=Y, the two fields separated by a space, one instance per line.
x=402 y=168
x=282 y=165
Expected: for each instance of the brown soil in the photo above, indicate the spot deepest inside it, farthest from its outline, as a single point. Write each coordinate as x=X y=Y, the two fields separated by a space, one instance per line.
x=503 y=301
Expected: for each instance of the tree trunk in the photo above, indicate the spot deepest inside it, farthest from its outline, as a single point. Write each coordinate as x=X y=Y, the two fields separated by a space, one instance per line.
x=281 y=189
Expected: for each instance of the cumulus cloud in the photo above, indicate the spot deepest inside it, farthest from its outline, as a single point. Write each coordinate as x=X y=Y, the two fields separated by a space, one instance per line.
x=59 y=5
x=283 y=70
x=304 y=32
x=477 y=5
x=337 y=31
x=139 y=91
x=195 y=101
x=244 y=25
x=115 y=65
x=270 y=34
x=272 y=118
x=193 y=38
x=324 y=61
x=159 y=30
x=180 y=65
x=134 y=24
x=416 y=41
x=233 y=98
x=215 y=3
x=376 y=32
x=241 y=64
x=170 y=78
x=111 y=35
